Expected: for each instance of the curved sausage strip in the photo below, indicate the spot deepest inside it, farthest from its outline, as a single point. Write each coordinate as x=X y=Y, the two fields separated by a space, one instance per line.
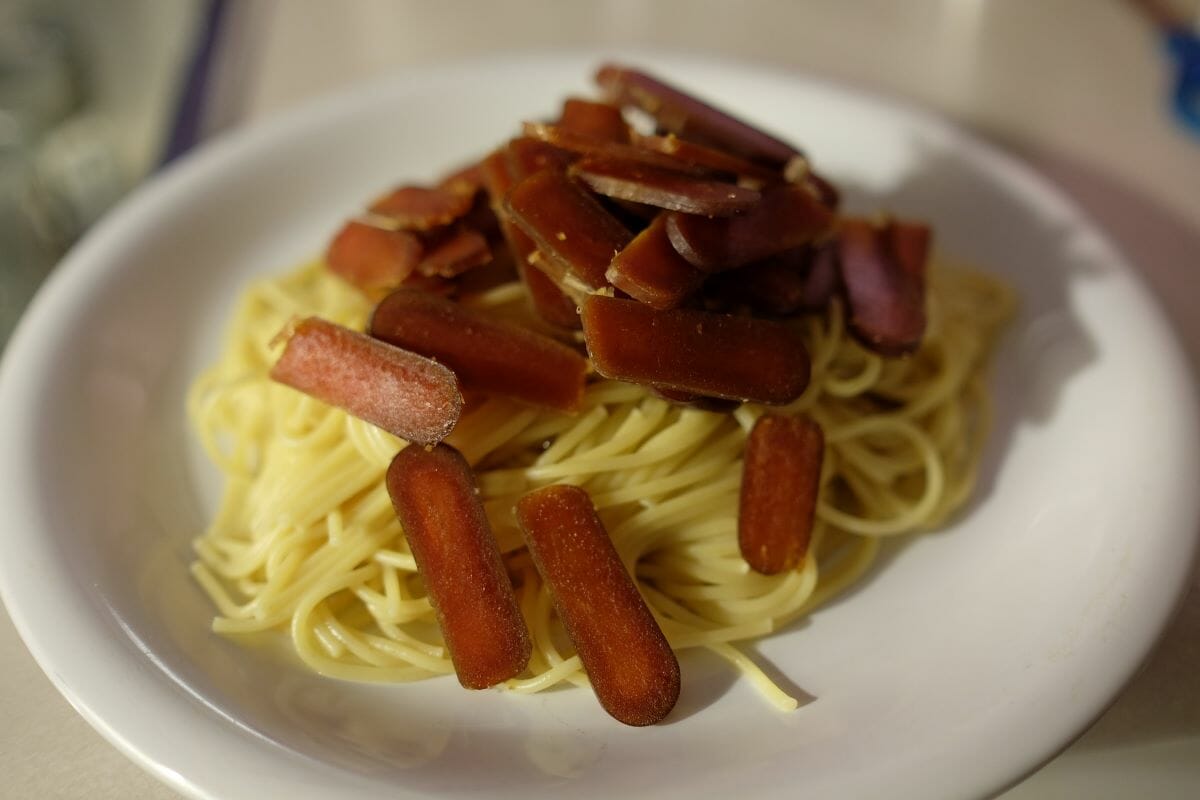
x=627 y=658
x=435 y=497
x=408 y=395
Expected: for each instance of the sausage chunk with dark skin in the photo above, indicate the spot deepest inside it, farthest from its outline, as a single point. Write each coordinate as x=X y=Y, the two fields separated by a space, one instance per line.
x=781 y=475
x=435 y=497
x=627 y=658
x=406 y=394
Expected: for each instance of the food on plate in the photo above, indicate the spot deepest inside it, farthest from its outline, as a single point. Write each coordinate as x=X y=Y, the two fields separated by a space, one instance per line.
x=650 y=270
x=405 y=394
x=434 y=494
x=630 y=665
x=691 y=350
x=691 y=118
x=689 y=391
x=781 y=476
x=787 y=217
x=488 y=355
x=574 y=234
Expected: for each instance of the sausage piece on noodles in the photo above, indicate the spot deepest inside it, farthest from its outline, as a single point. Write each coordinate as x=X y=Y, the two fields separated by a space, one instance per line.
x=650 y=270
x=546 y=298
x=408 y=395
x=883 y=275
x=626 y=656
x=690 y=118
x=576 y=235
x=486 y=353
x=663 y=188
x=698 y=352
x=437 y=501
x=598 y=120
x=780 y=478
x=372 y=258
x=454 y=253
x=787 y=216
x=419 y=208
x=526 y=155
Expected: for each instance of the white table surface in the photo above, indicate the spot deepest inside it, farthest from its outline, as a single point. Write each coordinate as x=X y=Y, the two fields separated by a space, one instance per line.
x=1076 y=87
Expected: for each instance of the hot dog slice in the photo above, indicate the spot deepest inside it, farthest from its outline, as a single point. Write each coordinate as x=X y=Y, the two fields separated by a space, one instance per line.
x=681 y=113
x=420 y=208
x=598 y=120
x=574 y=233
x=526 y=155
x=455 y=252
x=780 y=477
x=405 y=394
x=698 y=352
x=909 y=243
x=701 y=157
x=547 y=299
x=486 y=353
x=550 y=302
x=786 y=217
x=435 y=497
x=631 y=667
x=796 y=280
x=664 y=188
x=669 y=152
x=650 y=270
x=696 y=401
x=883 y=274
x=373 y=258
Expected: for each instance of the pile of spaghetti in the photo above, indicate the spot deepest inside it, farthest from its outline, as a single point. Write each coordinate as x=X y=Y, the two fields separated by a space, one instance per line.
x=306 y=541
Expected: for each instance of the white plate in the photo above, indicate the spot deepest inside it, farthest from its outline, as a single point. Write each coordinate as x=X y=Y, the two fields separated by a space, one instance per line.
x=965 y=660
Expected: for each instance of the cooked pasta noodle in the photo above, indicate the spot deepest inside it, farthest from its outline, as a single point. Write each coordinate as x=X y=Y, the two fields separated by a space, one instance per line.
x=306 y=542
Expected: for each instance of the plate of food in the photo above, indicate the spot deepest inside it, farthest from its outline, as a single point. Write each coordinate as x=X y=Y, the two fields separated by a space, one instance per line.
x=600 y=424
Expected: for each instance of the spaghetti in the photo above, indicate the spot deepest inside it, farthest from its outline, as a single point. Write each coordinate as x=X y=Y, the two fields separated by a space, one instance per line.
x=306 y=540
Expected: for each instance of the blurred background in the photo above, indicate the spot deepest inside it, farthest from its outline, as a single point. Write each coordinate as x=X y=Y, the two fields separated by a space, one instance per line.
x=1101 y=96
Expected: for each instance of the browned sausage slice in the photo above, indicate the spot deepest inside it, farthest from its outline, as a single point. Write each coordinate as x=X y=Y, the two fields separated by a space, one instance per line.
x=780 y=477
x=373 y=258
x=626 y=656
x=419 y=208
x=650 y=270
x=698 y=352
x=547 y=299
x=681 y=113
x=575 y=234
x=598 y=120
x=435 y=497
x=787 y=216
x=663 y=188
x=408 y=395
x=883 y=275
x=486 y=353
